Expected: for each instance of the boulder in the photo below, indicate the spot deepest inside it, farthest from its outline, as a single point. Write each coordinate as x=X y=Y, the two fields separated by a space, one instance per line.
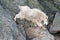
x=56 y=24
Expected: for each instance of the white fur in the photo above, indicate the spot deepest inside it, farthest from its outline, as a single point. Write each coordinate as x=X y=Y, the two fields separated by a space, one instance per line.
x=35 y=15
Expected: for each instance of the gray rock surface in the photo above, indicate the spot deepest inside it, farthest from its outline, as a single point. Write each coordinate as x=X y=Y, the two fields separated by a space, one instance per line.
x=56 y=24
x=12 y=5
x=57 y=3
x=34 y=4
x=8 y=28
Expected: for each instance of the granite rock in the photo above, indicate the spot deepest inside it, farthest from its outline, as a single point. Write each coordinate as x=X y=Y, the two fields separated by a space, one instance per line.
x=8 y=28
x=56 y=24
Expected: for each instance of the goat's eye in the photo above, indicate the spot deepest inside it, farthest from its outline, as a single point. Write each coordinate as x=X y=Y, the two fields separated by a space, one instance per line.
x=42 y=22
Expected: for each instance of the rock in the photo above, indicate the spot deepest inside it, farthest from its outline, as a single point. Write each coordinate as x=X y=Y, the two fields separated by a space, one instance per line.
x=34 y=4
x=8 y=28
x=56 y=24
x=57 y=36
x=47 y=36
x=12 y=5
x=57 y=3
